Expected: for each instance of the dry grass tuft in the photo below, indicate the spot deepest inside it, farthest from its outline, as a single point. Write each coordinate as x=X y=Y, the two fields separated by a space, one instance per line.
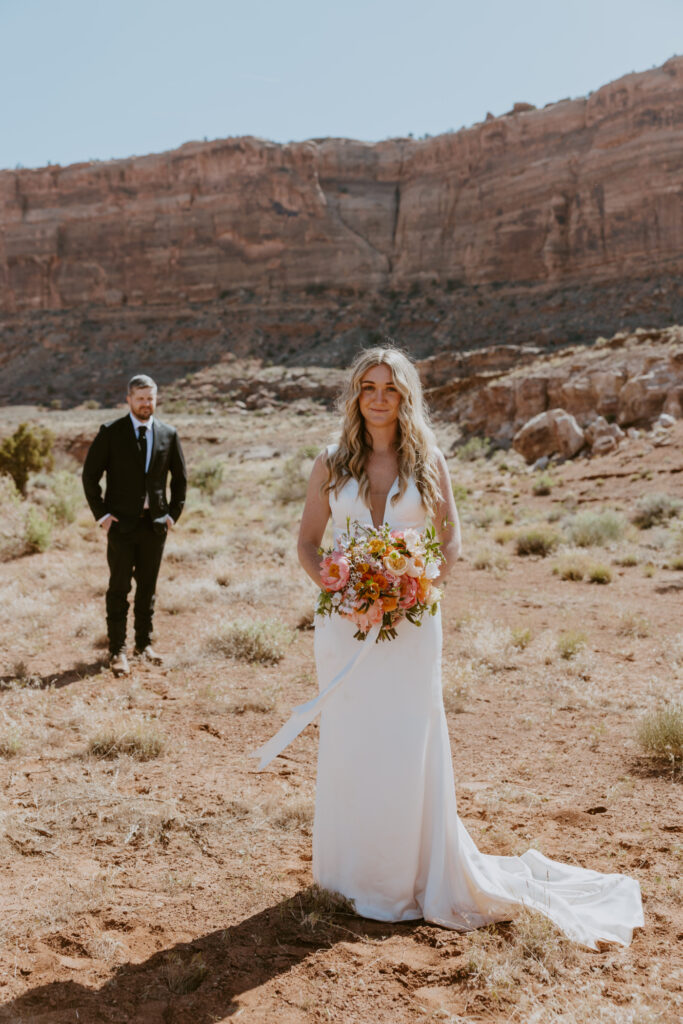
x=631 y=624
x=504 y=534
x=306 y=620
x=543 y=485
x=262 y=702
x=538 y=540
x=255 y=642
x=660 y=733
x=598 y=573
x=520 y=638
x=595 y=529
x=295 y=474
x=653 y=509
x=487 y=643
x=487 y=557
x=315 y=909
x=181 y=975
x=10 y=743
x=570 y=643
x=627 y=560
x=295 y=812
x=140 y=741
x=459 y=678
x=571 y=566
x=501 y=960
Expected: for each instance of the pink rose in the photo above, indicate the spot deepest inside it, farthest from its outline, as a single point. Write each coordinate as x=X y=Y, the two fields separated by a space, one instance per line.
x=408 y=592
x=362 y=620
x=334 y=571
x=366 y=620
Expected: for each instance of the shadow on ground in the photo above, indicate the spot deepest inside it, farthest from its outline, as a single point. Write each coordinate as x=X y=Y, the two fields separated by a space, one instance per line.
x=56 y=679
x=200 y=982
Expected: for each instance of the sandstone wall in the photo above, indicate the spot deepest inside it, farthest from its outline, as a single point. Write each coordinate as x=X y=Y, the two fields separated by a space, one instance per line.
x=583 y=189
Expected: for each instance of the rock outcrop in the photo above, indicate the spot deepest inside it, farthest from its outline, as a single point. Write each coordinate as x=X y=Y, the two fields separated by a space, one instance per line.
x=552 y=432
x=629 y=379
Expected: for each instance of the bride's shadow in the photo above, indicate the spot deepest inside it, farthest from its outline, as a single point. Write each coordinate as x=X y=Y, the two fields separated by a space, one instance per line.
x=200 y=982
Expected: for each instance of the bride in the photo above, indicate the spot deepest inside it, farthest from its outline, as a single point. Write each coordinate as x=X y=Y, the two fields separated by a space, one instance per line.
x=387 y=834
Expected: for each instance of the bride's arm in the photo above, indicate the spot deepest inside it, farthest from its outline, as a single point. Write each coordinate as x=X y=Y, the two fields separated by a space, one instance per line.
x=446 y=520
x=314 y=520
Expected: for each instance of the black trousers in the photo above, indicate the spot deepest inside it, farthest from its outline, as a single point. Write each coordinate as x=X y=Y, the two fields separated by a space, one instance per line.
x=132 y=555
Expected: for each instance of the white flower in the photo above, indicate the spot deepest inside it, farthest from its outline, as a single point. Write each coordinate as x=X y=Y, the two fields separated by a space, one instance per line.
x=412 y=540
x=432 y=571
x=336 y=598
x=416 y=566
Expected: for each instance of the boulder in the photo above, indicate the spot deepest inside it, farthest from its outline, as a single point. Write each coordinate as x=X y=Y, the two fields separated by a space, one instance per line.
x=599 y=430
x=554 y=431
x=603 y=444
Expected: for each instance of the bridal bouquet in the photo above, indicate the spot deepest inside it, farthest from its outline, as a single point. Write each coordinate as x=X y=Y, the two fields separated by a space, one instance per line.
x=379 y=575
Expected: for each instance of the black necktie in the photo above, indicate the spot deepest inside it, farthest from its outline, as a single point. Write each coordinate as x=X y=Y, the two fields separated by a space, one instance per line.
x=142 y=445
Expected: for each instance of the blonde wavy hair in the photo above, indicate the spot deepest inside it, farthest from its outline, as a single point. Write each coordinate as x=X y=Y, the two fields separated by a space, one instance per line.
x=415 y=446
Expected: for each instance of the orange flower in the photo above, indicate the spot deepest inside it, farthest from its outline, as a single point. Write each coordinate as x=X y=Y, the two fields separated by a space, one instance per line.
x=424 y=589
x=372 y=591
x=390 y=604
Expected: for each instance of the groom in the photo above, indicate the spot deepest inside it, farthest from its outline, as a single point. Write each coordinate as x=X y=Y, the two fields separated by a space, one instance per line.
x=137 y=452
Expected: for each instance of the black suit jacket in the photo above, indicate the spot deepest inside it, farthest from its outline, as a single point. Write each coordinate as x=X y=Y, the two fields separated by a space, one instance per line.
x=115 y=452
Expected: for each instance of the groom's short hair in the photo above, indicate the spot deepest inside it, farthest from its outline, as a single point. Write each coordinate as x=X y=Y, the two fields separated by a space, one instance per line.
x=140 y=380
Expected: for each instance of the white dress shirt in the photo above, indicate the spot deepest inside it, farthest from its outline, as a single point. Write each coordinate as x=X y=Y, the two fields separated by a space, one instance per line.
x=149 y=436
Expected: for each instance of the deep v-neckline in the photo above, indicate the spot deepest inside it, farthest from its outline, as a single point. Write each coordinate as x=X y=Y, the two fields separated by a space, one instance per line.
x=384 y=510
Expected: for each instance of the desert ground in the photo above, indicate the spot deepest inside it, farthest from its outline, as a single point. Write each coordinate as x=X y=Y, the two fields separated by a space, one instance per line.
x=151 y=873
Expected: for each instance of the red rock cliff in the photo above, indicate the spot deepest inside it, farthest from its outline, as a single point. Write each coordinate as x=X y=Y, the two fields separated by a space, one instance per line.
x=582 y=189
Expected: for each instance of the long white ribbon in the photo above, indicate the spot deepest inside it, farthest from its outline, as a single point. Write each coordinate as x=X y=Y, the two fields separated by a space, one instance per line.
x=304 y=714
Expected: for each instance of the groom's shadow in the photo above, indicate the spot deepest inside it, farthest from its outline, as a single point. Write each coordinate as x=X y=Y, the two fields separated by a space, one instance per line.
x=82 y=670
x=199 y=982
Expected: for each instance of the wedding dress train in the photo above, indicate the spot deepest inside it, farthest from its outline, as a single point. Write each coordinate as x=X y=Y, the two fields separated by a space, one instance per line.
x=387 y=834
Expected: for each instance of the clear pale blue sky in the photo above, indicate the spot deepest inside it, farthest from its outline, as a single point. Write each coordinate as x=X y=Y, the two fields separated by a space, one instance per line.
x=83 y=79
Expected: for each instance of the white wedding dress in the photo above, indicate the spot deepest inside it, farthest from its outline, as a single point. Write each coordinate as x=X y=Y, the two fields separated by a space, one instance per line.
x=387 y=834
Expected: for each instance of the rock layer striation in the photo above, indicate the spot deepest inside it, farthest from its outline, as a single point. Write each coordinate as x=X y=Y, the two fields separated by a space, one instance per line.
x=581 y=189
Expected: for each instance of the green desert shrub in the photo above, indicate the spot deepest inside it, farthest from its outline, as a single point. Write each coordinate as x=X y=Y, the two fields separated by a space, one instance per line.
x=537 y=540
x=295 y=474
x=660 y=733
x=475 y=448
x=256 y=642
x=28 y=450
x=207 y=476
x=65 y=499
x=37 y=530
x=11 y=520
x=595 y=529
x=656 y=508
